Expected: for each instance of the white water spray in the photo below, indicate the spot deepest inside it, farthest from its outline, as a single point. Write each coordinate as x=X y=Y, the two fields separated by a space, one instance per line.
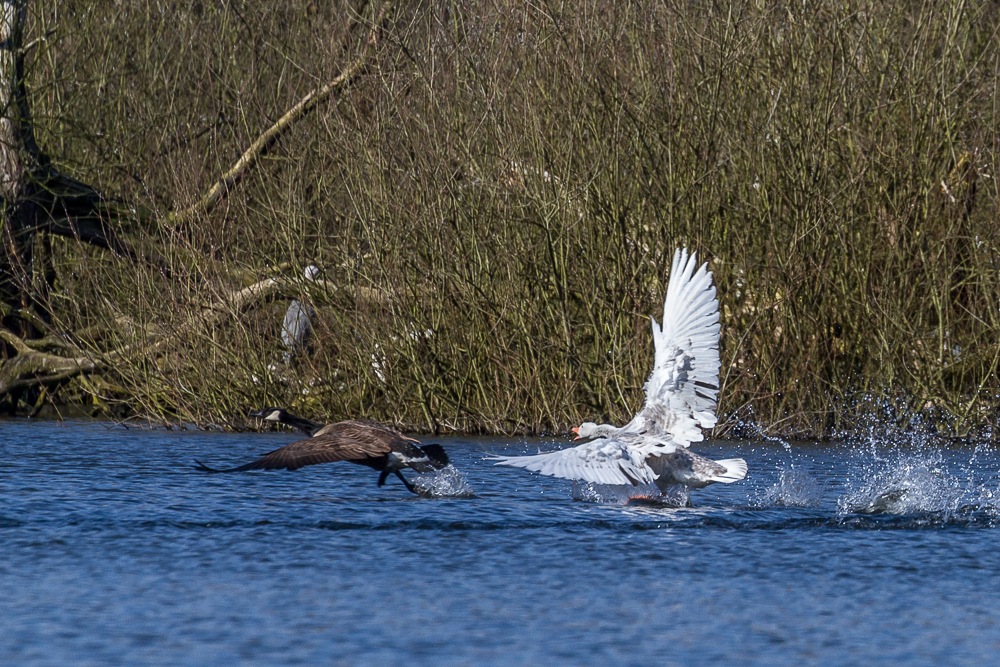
x=448 y=482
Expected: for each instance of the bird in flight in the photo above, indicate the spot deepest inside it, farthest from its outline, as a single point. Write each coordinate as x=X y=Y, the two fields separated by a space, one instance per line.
x=681 y=397
x=363 y=442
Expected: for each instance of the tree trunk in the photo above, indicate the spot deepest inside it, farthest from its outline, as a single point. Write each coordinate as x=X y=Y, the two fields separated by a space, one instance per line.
x=19 y=158
x=34 y=197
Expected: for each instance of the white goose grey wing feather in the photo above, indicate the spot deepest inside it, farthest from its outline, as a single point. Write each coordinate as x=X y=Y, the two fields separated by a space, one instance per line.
x=602 y=461
x=682 y=390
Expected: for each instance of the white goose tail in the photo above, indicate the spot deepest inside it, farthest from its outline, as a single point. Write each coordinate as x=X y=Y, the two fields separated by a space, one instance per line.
x=736 y=469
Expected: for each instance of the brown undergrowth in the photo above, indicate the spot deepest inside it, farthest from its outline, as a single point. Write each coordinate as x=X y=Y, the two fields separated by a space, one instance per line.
x=496 y=199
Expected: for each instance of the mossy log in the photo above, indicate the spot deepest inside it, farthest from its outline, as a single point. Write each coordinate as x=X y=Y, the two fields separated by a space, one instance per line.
x=30 y=367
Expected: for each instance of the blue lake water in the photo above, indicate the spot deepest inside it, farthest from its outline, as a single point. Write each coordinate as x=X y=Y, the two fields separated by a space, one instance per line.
x=115 y=551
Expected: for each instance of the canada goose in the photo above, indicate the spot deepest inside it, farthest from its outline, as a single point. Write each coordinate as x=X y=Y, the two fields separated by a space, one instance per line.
x=366 y=443
x=296 y=327
x=680 y=400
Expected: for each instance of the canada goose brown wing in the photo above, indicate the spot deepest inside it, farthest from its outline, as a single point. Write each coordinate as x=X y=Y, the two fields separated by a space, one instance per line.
x=373 y=436
x=363 y=428
x=353 y=440
x=419 y=457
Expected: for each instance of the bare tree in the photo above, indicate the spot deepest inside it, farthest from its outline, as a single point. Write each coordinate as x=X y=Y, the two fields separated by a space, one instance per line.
x=38 y=200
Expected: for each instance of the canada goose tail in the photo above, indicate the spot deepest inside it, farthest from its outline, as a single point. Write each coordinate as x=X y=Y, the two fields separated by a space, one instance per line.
x=736 y=469
x=436 y=454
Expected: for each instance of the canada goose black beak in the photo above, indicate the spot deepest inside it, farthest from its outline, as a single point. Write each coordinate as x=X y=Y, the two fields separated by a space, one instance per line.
x=256 y=413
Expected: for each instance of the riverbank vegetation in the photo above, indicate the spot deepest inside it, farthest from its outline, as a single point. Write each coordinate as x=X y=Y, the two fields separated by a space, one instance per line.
x=494 y=191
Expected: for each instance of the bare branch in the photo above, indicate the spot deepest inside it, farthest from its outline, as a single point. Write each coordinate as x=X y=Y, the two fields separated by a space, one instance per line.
x=14 y=341
x=26 y=315
x=266 y=141
x=35 y=42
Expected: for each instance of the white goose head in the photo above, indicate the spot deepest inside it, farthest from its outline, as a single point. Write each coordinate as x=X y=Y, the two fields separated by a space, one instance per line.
x=588 y=430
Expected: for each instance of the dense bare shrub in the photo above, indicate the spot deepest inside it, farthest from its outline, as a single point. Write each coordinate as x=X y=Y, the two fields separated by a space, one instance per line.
x=496 y=198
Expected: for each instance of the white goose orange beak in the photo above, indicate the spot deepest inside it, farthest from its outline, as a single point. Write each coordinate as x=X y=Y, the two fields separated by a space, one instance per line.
x=576 y=429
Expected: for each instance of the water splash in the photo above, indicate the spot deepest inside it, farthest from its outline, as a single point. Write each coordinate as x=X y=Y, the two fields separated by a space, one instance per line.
x=987 y=501
x=906 y=483
x=616 y=494
x=795 y=488
x=787 y=446
x=448 y=482
x=748 y=427
x=604 y=493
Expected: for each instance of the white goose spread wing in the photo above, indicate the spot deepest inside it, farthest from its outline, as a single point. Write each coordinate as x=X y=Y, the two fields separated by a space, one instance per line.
x=681 y=391
x=602 y=461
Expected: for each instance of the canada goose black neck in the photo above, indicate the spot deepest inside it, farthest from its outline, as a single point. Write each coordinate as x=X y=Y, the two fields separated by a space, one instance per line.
x=282 y=416
x=304 y=425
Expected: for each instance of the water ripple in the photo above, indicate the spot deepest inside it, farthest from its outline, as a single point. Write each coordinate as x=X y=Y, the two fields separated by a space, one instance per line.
x=116 y=552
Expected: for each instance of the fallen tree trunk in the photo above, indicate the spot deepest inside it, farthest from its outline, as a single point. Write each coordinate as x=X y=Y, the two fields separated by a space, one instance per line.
x=31 y=367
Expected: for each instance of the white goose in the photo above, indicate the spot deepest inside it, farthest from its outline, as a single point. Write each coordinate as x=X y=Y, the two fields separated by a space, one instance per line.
x=681 y=397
